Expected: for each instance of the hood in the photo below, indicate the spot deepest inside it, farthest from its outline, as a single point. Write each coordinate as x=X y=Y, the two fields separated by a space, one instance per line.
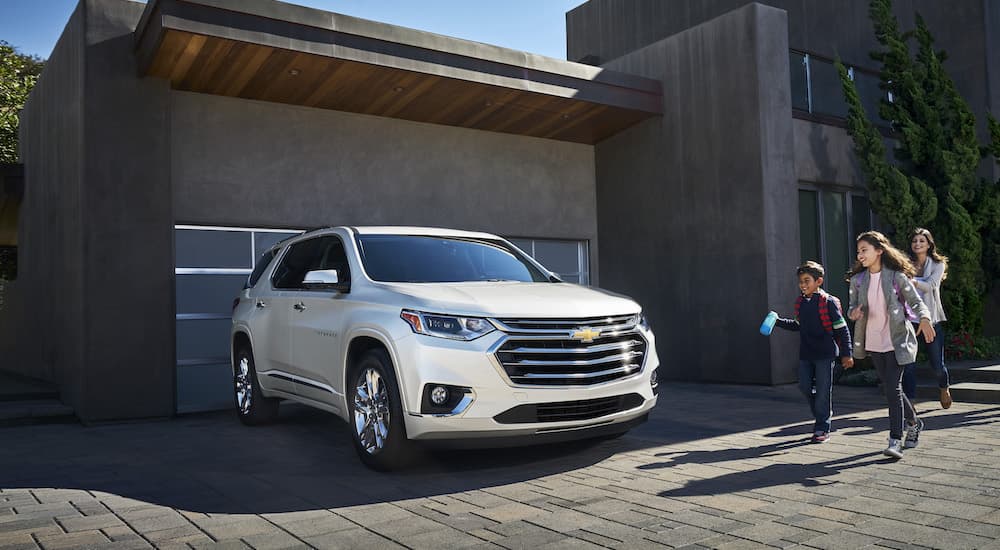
x=512 y=299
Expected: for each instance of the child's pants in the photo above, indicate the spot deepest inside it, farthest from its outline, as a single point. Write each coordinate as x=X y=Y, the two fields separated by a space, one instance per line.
x=820 y=373
x=891 y=375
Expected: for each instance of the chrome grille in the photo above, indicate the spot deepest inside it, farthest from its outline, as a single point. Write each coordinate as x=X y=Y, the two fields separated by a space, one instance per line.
x=570 y=352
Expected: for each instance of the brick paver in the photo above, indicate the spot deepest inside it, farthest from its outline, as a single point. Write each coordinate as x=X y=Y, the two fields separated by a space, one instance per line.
x=716 y=467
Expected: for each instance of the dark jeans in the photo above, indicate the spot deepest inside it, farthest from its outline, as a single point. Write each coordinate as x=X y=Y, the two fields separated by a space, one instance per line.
x=935 y=353
x=891 y=375
x=818 y=373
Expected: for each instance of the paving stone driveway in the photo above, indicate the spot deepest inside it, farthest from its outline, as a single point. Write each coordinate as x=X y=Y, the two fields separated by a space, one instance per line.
x=716 y=467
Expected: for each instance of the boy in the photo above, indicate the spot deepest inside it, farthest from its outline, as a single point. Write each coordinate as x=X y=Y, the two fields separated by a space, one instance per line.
x=823 y=335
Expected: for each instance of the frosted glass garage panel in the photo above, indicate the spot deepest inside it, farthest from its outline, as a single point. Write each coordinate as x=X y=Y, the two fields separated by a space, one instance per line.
x=206 y=388
x=559 y=256
x=202 y=339
x=202 y=248
x=207 y=293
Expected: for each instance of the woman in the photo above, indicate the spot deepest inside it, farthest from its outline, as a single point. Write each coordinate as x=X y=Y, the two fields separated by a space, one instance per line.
x=931 y=268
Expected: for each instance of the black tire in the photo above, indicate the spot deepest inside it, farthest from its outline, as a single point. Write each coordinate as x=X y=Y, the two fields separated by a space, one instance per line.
x=257 y=409
x=376 y=421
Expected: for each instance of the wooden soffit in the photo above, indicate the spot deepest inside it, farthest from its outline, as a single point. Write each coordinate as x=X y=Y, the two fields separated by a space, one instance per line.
x=273 y=51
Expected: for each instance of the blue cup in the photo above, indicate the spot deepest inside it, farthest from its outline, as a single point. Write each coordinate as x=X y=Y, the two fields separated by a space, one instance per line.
x=768 y=325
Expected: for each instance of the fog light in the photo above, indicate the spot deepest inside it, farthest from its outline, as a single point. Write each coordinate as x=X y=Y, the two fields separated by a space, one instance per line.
x=654 y=378
x=439 y=395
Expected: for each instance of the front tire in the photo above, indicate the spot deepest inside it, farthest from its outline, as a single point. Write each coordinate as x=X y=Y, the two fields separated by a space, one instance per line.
x=378 y=431
x=251 y=405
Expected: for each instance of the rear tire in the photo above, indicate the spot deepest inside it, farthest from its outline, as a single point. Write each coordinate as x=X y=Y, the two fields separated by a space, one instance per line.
x=377 y=422
x=251 y=405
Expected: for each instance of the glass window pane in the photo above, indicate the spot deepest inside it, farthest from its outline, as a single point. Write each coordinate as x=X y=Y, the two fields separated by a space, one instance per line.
x=559 y=256
x=861 y=216
x=808 y=225
x=800 y=92
x=827 y=92
x=262 y=240
x=870 y=93
x=837 y=246
x=203 y=339
x=523 y=244
x=213 y=249
x=208 y=293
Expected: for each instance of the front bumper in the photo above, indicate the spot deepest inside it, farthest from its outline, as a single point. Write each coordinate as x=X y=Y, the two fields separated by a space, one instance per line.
x=425 y=360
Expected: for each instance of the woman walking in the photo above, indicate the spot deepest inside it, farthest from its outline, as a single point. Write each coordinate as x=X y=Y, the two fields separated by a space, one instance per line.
x=932 y=269
x=880 y=290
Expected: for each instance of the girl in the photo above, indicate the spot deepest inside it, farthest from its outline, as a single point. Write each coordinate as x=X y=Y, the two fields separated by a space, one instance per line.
x=880 y=290
x=931 y=268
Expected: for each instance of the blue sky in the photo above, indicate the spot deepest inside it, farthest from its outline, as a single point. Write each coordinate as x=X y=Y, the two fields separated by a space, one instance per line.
x=536 y=26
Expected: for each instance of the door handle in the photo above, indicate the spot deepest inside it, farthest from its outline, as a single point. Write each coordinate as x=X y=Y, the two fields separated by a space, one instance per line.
x=261 y=304
x=300 y=306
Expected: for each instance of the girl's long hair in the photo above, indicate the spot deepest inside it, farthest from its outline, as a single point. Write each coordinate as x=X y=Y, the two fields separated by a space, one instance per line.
x=892 y=257
x=932 y=251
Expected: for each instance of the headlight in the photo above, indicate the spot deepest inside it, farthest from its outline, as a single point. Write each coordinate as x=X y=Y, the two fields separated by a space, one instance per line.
x=447 y=326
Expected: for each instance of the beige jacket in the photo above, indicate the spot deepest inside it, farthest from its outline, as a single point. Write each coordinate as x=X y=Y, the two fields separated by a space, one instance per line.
x=904 y=339
x=929 y=287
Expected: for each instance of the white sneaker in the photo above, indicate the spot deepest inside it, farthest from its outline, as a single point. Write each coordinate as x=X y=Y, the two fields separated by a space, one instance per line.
x=895 y=449
x=913 y=434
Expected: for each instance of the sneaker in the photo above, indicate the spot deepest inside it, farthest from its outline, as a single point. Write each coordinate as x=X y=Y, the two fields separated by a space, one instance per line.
x=913 y=434
x=895 y=449
x=945 y=398
x=821 y=437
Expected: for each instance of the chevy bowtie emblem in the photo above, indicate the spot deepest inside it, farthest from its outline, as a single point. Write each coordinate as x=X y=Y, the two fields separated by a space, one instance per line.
x=585 y=335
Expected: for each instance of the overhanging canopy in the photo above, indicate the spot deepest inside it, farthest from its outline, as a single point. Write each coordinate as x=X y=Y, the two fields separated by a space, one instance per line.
x=272 y=51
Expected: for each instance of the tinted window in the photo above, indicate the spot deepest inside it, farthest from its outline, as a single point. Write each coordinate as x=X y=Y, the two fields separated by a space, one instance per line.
x=262 y=263
x=318 y=253
x=415 y=259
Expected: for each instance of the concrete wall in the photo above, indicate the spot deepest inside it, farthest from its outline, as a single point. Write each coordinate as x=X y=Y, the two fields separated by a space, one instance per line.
x=254 y=163
x=968 y=30
x=41 y=324
x=693 y=208
x=96 y=247
x=825 y=154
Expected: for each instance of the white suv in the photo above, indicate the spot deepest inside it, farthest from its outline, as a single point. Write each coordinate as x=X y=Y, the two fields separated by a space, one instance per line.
x=433 y=334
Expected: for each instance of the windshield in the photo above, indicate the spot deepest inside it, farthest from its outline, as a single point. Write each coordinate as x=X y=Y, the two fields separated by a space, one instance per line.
x=421 y=259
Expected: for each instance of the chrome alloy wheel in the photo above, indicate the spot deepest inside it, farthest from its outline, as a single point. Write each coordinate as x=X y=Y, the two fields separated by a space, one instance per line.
x=371 y=411
x=244 y=386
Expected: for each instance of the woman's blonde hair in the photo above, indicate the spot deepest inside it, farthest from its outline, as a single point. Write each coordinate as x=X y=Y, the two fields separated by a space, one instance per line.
x=892 y=257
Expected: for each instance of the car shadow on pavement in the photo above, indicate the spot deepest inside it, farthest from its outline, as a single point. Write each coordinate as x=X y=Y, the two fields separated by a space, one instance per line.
x=210 y=463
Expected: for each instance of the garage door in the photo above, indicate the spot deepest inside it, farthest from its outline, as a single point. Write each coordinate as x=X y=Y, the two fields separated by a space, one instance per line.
x=212 y=264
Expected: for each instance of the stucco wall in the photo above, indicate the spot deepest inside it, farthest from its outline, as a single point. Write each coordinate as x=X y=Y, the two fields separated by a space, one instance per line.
x=693 y=208
x=40 y=324
x=251 y=163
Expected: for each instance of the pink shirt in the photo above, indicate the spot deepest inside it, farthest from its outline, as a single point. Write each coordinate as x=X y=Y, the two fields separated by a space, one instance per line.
x=877 y=336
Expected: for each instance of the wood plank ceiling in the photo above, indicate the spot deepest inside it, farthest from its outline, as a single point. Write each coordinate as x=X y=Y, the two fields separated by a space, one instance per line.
x=242 y=68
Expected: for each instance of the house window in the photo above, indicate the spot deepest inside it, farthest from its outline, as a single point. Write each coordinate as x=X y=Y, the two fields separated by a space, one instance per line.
x=816 y=87
x=567 y=258
x=829 y=222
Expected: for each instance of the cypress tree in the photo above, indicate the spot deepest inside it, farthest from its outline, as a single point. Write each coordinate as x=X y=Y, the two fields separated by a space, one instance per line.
x=937 y=155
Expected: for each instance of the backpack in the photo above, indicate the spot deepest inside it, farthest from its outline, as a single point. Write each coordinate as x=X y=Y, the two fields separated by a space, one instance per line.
x=824 y=310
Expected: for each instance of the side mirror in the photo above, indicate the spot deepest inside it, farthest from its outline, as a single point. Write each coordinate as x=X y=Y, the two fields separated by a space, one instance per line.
x=325 y=279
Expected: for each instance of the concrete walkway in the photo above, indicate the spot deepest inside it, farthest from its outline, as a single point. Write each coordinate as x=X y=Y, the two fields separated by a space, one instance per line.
x=716 y=467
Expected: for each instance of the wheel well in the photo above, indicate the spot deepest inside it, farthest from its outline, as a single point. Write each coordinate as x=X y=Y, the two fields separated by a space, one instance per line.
x=240 y=340
x=359 y=346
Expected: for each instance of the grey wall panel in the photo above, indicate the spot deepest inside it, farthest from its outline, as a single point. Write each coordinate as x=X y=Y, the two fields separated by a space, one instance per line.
x=128 y=220
x=825 y=154
x=250 y=163
x=41 y=324
x=696 y=211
